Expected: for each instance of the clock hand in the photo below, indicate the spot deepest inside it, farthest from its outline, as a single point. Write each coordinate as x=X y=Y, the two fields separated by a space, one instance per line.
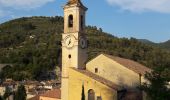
x=69 y=42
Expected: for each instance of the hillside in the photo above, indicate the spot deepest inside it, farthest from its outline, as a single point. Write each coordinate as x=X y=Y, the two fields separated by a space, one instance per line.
x=33 y=46
x=147 y=42
x=163 y=45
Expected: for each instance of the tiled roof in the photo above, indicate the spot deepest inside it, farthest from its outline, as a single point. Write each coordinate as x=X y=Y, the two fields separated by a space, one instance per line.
x=78 y=2
x=99 y=79
x=73 y=1
x=3 y=65
x=130 y=64
x=55 y=93
x=35 y=98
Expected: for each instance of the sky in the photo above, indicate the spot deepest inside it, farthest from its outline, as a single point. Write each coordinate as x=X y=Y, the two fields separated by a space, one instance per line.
x=142 y=19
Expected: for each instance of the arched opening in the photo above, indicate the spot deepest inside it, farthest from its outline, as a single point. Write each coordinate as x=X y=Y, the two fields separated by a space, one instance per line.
x=82 y=22
x=70 y=21
x=69 y=56
x=91 y=94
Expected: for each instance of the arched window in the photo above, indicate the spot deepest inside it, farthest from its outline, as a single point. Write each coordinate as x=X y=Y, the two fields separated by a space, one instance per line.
x=82 y=22
x=91 y=94
x=70 y=21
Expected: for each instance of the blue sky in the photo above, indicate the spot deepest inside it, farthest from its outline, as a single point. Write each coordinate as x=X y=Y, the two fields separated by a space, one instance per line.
x=142 y=19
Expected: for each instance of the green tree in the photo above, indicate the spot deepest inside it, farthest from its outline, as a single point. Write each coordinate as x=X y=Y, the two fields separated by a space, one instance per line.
x=20 y=94
x=33 y=58
x=1 y=98
x=7 y=93
x=157 y=89
x=82 y=93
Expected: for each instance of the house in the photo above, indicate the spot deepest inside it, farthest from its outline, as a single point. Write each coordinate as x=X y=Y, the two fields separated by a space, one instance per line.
x=54 y=94
x=109 y=78
x=118 y=70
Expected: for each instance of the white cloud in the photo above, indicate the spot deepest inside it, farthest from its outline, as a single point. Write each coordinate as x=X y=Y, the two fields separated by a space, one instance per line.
x=23 y=4
x=7 y=6
x=162 y=6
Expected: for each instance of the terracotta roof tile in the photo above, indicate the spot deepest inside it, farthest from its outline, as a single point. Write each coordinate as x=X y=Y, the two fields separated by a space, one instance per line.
x=35 y=98
x=130 y=64
x=55 y=93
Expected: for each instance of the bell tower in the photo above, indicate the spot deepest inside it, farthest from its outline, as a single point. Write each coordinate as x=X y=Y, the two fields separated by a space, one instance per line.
x=74 y=42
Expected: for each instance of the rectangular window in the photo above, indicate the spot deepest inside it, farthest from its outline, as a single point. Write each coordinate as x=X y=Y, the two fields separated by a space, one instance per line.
x=96 y=70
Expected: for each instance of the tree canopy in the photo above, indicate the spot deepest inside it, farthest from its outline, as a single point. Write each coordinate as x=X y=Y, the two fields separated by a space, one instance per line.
x=158 y=86
x=20 y=94
x=32 y=46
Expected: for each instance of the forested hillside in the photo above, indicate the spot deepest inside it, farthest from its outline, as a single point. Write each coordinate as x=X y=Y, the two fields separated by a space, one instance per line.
x=32 y=45
x=163 y=45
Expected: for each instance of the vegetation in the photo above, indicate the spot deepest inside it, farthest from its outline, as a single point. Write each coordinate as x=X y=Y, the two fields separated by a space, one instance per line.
x=82 y=93
x=163 y=45
x=7 y=93
x=20 y=94
x=1 y=98
x=32 y=47
x=157 y=89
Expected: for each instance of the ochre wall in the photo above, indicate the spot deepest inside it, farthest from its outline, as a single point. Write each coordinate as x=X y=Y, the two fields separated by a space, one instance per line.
x=113 y=71
x=76 y=12
x=76 y=79
x=47 y=98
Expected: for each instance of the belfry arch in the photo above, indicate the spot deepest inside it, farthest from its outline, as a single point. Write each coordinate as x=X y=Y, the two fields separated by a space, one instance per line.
x=70 y=21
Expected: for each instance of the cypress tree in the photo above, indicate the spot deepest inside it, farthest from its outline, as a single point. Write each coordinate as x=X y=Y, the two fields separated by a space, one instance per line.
x=20 y=93
x=1 y=98
x=7 y=93
x=82 y=93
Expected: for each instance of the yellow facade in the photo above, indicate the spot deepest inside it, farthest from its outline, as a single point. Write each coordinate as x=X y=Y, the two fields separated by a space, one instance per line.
x=73 y=55
x=77 y=79
x=113 y=71
x=74 y=63
x=47 y=98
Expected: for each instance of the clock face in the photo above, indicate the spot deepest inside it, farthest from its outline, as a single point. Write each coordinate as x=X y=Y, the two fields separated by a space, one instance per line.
x=83 y=43
x=69 y=41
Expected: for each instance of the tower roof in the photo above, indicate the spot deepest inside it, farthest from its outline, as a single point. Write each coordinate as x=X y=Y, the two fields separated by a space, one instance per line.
x=77 y=2
x=74 y=2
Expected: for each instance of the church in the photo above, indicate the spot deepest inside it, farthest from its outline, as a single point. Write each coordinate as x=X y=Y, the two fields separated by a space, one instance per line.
x=105 y=77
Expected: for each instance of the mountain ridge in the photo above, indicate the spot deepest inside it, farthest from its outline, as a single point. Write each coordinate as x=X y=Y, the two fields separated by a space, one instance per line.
x=163 y=45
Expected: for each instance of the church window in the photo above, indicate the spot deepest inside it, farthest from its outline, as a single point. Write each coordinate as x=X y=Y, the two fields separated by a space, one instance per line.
x=91 y=94
x=96 y=70
x=69 y=56
x=82 y=20
x=70 y=21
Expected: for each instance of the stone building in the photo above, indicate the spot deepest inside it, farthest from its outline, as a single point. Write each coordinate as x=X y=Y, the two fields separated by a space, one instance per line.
x=103 y=78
